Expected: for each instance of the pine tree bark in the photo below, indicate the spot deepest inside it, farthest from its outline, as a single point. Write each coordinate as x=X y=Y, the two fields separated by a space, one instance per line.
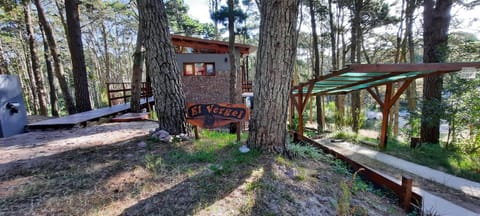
x=75 y=45
x=50 y=77
x=137 y=71
x=37 y=73
x=412 y=88
x=274 y=69
x=316 y=64
x=231 y=52
x=106 y=53
x=31 y=83
x=355 y=52
x=435 y=38
x=3 y=62
x=162 y=67
x=57 y=61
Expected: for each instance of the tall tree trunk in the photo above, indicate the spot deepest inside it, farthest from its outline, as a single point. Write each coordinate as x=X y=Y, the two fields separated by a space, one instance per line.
x=31 y=82
x=162 y=67
x=137 y=71
x=106 y=53
x=355 y=52
x=50 y=77
x=37 y=73
x=412 y=88
x=233 y=97
x=60 y=9
x=316 y=64
x=339 y=99
x=435 y=38
x=57 y=62
x=75 y=45
x=232 y=52
x=274 y=69
x=3 y=62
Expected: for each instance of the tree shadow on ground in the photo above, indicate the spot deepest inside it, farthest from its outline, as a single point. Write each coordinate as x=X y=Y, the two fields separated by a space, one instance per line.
x=197 y=192
x=65 y=174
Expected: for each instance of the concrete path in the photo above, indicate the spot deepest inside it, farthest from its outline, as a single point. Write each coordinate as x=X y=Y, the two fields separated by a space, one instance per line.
x=430 y=201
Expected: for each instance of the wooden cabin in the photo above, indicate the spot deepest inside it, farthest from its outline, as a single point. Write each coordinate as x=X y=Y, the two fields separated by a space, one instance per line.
x=205 y=66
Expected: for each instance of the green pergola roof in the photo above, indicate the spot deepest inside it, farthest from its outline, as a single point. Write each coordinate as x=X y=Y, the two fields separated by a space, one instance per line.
x=362 y=76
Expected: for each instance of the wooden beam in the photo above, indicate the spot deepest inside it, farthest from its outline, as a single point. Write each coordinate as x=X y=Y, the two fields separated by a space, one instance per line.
x=300 y=109
x=365 y=81
x=372 y=175
x=376 y=97
x=399 y=93
x=309 y=92
x=393 y=69
x=385 y=113
x=401 y=68
x=406 y=197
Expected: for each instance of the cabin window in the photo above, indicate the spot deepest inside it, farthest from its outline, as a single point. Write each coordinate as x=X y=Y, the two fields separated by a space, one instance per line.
x=199 y=69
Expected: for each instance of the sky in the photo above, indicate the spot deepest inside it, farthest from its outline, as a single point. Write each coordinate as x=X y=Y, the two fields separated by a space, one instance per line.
x=468 y=20
x=199 y=10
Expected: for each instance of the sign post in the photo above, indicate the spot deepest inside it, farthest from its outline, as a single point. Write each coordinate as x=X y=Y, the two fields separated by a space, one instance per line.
x=216 y=115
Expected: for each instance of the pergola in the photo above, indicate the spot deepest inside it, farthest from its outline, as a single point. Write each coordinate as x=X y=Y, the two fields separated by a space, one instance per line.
x=368 y=76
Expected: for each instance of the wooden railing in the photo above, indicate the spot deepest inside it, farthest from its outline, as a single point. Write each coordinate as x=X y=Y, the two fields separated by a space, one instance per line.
x=121 y=92
x=408 y=199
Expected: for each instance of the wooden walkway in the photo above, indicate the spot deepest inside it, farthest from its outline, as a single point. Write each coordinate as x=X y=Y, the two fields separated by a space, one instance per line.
x=80 y=119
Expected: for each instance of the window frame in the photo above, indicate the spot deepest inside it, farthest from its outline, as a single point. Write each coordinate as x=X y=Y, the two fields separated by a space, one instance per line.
x=194 y=69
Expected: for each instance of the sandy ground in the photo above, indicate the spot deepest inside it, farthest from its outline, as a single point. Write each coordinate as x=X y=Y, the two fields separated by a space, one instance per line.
x=103 y=170
x=29 y=149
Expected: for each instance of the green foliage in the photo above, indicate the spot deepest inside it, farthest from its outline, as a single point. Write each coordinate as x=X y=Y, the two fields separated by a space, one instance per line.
x=202 y=156
x=463 y=47
x=310 y=133
x=470 y=146
x=343 y=202
x=154 y=163
x=330 y=110
x=340 y=167
x=353 y=137
x=361 y=118
x=181 y=23
x=452 y=160
x=412 y=128
x=462 y=108
x=345 y=196
x=294 y=124
x=304 y=150
x=153 y=114
x=221 y=169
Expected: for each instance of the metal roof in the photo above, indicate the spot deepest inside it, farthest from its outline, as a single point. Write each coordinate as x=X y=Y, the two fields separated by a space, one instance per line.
x=363 y=76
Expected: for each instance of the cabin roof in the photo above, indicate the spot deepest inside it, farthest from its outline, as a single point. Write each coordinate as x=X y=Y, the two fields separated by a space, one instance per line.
x=364 y=76
x=209 y=46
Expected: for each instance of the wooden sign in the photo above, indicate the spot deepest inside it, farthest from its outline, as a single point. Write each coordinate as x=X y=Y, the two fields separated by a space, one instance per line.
x=216 y=115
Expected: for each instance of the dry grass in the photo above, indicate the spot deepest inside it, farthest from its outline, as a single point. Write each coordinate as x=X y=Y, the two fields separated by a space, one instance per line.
x=206 y=177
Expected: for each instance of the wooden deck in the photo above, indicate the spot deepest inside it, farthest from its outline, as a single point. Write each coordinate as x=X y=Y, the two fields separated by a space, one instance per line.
x=80 y=119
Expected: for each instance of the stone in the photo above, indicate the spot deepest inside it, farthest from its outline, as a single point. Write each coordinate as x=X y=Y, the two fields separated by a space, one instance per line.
x=142 y=144
x=162 y=134
x=291 y=172
x=244 y=149
x=183 y=137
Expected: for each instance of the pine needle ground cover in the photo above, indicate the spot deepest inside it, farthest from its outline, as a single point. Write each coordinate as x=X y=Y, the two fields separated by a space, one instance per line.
x=201 y=177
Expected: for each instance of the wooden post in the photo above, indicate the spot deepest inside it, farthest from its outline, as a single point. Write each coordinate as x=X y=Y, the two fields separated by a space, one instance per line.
x=238 y=131
x=291 y=111
x=385 y=112
x=108 y=95
x=300 y=109
x=124 y=93
x=406 y=193
x=195 y=130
